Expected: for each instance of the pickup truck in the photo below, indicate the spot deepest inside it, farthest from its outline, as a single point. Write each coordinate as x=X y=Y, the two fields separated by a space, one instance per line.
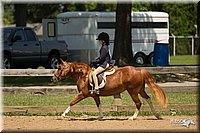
x=22 y=49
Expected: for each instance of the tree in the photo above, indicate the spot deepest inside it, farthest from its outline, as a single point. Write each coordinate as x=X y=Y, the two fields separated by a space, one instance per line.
x=122 y=52
x=37 y=12
x=123 y=47
x=20 y=14
x=8 y=14
x=198 y=19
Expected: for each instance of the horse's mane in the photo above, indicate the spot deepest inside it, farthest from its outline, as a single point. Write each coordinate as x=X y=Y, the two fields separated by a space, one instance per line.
x=81 y=68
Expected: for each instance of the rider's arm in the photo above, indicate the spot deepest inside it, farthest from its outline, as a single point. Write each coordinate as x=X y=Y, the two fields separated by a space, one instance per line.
x=103 y=55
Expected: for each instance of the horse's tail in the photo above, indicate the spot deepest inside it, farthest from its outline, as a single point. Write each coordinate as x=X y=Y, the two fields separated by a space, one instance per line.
x=155 y=89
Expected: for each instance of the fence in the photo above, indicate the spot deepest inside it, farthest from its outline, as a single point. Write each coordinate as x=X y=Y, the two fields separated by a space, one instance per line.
x=184 y=45
x=49 y=72
x=117 y=100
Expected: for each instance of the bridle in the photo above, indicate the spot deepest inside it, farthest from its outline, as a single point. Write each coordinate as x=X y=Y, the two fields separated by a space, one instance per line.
x=60 y=72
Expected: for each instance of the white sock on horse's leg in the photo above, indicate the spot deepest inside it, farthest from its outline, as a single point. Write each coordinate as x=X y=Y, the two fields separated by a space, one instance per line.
x=66 y=111
x=135 y=115
x=152 y=108
x=100 y=112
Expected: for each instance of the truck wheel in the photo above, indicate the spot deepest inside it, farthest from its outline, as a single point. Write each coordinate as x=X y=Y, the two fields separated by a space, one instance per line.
x=140 y=59
x=6 y=62
x=53 y=61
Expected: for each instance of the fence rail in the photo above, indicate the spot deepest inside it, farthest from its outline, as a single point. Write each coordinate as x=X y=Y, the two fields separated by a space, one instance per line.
x=49 y=72
x=183 y=45
x=117 y=98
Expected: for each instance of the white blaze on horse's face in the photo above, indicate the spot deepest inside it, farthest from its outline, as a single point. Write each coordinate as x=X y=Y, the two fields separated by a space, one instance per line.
x=61 y=72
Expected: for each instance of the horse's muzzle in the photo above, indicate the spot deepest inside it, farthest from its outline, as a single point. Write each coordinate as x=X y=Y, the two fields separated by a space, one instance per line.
x=54 y=79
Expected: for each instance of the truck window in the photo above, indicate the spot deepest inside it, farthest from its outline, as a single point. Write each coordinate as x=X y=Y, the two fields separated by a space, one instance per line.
x=30 y=35
x=6 y=34
x=19 y=33
x=51 y=29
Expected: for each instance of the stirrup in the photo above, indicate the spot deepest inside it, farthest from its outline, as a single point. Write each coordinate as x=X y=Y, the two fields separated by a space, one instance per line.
x=96 y=91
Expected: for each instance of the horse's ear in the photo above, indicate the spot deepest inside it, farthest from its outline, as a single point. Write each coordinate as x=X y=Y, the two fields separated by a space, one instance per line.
x=72 y=67
x=62 y=61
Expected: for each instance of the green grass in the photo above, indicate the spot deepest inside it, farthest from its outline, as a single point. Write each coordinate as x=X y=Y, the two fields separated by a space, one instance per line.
x=63 y=100
x=33 y=81
x=185 y=60
x=114 y=113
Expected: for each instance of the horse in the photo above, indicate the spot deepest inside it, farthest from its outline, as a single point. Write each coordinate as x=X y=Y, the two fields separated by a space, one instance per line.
x=127 y=78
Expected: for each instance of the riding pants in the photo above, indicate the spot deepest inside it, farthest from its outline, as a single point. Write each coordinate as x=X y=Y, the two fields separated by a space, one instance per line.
x=95 y=73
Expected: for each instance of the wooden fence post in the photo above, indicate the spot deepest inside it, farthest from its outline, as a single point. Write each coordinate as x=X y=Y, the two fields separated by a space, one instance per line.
x=117 y=100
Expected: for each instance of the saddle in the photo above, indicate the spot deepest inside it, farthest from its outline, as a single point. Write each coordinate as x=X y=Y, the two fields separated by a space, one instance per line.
x=102 y=76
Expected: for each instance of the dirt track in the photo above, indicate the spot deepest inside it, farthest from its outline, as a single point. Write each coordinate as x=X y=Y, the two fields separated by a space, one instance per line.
x=90 y=123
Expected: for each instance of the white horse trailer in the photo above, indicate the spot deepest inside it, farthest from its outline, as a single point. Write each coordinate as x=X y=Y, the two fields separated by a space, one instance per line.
x=80 y=30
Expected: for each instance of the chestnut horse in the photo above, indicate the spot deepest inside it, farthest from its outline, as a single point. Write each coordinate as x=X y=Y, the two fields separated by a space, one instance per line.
x=126 y=78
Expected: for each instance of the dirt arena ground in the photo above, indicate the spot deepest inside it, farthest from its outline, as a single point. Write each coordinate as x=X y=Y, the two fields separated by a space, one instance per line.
x=90 y=123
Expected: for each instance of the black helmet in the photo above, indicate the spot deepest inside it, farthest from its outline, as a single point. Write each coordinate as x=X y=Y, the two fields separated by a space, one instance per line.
x=103 y=36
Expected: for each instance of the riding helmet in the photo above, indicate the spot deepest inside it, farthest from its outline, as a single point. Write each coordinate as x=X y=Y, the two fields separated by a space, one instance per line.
x=103 y=36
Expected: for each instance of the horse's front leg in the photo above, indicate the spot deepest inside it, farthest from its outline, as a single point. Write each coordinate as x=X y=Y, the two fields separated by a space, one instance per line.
x=79 y=97
x=98 y=103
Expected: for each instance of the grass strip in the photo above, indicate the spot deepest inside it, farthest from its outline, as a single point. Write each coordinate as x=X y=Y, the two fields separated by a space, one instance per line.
x=63 y=100
x=113 y=113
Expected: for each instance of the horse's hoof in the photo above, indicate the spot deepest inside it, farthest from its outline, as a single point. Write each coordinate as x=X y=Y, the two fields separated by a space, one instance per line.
x=100 y=118
x=131 y=118
x=158 y=116
x=63 y=115
x=60 y=118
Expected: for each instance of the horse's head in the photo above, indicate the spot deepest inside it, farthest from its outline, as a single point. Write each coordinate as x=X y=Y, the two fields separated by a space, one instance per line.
x=64 y=68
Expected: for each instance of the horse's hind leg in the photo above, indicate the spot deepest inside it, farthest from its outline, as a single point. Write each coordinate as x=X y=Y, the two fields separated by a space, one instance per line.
x=135 y=98
x=148 y=99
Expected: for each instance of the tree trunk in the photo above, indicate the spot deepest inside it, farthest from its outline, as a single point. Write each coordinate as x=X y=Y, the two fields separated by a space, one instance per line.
x=198 y=19
x=20 y=14
x=123 y=47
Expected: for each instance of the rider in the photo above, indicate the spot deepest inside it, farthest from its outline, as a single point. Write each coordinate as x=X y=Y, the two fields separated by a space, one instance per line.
x=103 y=61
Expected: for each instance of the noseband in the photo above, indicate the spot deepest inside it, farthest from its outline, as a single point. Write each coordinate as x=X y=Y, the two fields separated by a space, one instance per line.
x=60 y=72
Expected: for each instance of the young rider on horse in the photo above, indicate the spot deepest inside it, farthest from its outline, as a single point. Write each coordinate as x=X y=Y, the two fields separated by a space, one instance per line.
x=103 y=61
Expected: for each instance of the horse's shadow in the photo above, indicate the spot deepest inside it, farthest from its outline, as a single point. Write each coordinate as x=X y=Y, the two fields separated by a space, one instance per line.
x=103 y=119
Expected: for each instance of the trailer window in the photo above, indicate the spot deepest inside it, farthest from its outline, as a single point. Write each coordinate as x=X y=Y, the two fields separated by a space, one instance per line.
x=51 y=29
x=111 y=25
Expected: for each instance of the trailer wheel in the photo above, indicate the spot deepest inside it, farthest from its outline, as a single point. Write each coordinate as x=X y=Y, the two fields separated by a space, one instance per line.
x=150 y=58
x=140 y=59
x=53 y=61
x=6 y=62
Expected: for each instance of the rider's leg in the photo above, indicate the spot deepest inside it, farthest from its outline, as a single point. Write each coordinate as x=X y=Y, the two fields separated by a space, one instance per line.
x=94 y=76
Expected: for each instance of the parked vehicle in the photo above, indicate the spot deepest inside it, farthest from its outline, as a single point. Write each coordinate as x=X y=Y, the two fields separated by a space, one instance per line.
x=22 y=49
x=80 y=29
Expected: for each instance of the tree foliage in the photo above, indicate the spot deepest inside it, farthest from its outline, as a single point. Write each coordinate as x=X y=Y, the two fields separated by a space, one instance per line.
x=182 y=17
x=8 y=17
x=37 y=12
